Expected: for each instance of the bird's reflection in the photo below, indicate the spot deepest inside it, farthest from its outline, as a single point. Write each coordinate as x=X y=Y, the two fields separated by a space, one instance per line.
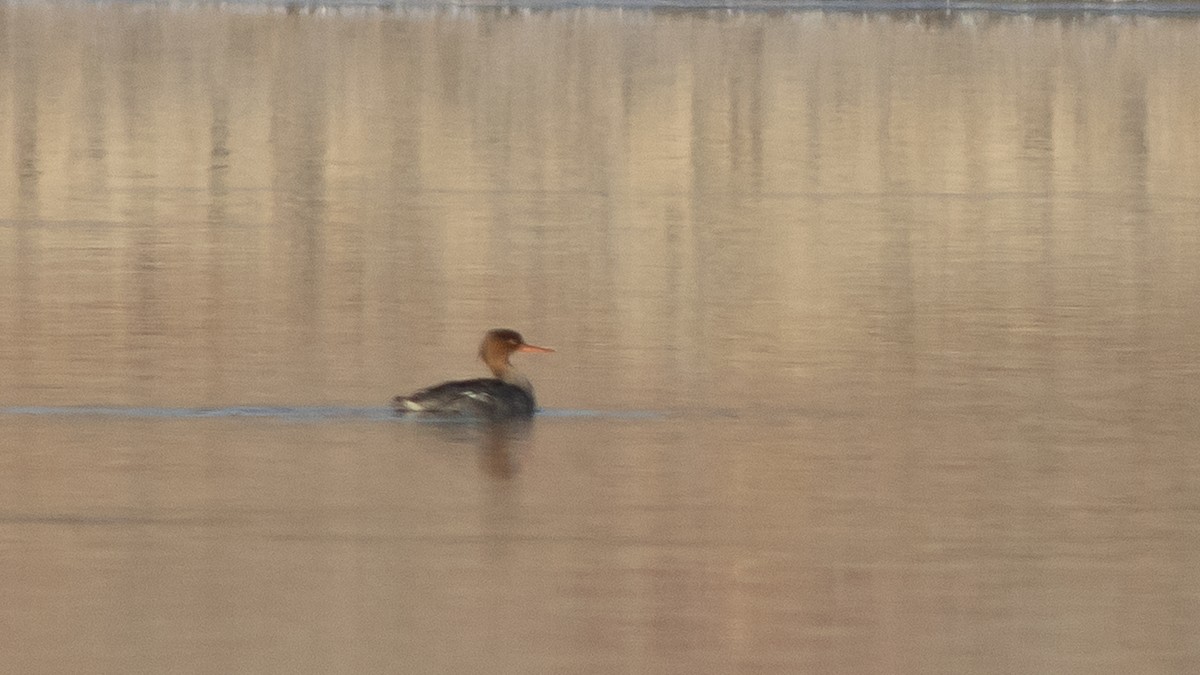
x=499 y=441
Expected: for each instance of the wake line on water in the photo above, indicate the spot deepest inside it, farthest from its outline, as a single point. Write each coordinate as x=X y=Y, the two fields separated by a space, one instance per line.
x=295 y=414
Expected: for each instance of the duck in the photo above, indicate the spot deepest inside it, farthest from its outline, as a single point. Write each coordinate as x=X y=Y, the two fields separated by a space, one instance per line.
x=506 y=395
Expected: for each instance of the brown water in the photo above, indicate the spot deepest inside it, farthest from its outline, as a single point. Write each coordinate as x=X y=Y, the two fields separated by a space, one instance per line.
x=878 y=342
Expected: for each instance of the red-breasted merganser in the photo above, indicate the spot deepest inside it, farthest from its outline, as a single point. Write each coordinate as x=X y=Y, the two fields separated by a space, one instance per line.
x=508 y=394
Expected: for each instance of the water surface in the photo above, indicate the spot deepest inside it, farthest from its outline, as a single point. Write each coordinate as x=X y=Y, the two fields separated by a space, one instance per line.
x=876 y=337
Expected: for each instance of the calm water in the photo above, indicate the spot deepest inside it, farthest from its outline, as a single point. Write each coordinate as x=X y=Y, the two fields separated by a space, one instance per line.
x=877 y=341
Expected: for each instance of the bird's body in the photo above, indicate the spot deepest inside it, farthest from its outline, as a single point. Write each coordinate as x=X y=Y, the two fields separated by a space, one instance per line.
x=487 y=397
x=507 y=395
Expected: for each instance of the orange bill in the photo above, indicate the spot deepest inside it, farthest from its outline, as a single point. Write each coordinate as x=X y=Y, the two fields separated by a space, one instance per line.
x=534 y=348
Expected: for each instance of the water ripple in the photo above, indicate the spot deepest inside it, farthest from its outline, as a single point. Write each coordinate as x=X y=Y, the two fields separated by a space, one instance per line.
x=309 y=413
